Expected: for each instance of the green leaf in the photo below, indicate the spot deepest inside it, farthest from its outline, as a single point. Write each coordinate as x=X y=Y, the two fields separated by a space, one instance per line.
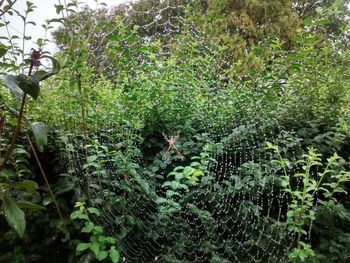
x=82 y=246
x=27 y=185
x=92 y=158
x=98 y=230
x=95 y=247
x=161 y=200
x=167 y=183
x=40 y=135
x=29 y=205
x=114 y=254
x=56 y=20
x=323 y=22
x=188 y=171
x=3 y=50
x=94 y=210
x=89 y=226
x=197 y=173
x=178 y=176
x=32 y=88
x=175 y=185
x=143 y=184
x=20 y=151
x=40 y=42
x=101 y=255
x=59 y=8
x=74 y=215
x=42 y=74
x=12 y=84
x=14 y=215
x=111 y=240
x=112 y=37
x=307 y=22
x=7 y=173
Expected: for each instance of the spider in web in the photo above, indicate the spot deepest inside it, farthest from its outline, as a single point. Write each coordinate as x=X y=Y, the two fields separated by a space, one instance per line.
x=171 y=140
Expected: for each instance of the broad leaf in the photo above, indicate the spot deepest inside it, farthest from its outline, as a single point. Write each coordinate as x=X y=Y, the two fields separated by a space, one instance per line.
x=42 y=74
x=29 y=205
x=82 y=246
x=114 y=254
x=7 y=173
x=94 y=210
x=14 y=215
x=40 y=135
x=101 y=255
x=12 y=84
x=33 y=87
x=27 y=185
x=3 y=50
x=89 y=226
x=29 y=85
x=95 y=247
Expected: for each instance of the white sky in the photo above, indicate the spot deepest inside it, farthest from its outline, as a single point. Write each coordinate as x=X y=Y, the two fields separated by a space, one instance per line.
x=45 y=10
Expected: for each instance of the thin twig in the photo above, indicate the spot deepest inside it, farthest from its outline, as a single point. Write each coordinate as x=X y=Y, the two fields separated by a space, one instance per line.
x=19 y=122
x=15 y=136
x=45 y=177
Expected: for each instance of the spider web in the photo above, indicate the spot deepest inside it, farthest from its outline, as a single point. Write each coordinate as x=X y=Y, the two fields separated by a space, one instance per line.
x=237 y=215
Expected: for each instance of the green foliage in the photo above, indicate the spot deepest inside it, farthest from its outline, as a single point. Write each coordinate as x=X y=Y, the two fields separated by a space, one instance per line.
x=184 y=178
x=40 y=135
x=17 y=191
x=155 y=124
x=326 y=184
x=102 y=246
x=14 y=215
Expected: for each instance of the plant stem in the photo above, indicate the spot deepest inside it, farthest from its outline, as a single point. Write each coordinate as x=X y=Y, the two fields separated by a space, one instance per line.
x=15 y=136
x=24 y=36
x=19 y=122
x=45 y=178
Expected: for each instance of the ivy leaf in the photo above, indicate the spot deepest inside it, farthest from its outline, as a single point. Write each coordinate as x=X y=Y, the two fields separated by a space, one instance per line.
x=14 y=215
x=40 y=135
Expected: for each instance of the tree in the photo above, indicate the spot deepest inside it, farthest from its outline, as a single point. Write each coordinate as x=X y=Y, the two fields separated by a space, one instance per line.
x=238 y=25
x=333 y=14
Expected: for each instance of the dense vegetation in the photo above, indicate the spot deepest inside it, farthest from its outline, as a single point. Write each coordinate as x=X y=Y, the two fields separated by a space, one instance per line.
x=177 y=131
